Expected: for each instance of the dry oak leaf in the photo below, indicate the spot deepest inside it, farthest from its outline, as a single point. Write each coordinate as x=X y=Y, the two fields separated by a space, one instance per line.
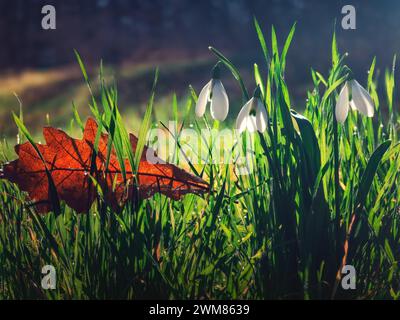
x=71 y=162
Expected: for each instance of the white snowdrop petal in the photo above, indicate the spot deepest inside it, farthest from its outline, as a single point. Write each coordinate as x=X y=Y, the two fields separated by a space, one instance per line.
x=342 y=104
x=352 y=105
x=251 y=123
x=362 y=100
x=219 y=101
x=261 y=116
x=202 y=100
x=241 y=120
x=241 y=123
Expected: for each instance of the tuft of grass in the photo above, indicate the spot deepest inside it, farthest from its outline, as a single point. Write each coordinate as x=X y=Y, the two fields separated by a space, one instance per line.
x=276 y=233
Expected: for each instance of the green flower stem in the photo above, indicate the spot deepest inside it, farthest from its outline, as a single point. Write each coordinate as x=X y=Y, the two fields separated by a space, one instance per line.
x=336 y=179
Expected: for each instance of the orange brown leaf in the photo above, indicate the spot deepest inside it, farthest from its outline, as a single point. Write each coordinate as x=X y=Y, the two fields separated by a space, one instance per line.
x=71 y=162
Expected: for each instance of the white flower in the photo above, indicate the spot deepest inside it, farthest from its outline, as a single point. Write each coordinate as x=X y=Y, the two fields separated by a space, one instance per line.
x=361 y=101
x=253 y=115
x=213 y=92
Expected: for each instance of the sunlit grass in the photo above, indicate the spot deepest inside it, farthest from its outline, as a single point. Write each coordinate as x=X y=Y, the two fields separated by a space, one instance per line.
x=278 y=232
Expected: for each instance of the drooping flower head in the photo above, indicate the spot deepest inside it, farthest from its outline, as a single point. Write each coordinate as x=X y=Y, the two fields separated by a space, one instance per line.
x=214 y=93
x=253 y=115
x=360 y=100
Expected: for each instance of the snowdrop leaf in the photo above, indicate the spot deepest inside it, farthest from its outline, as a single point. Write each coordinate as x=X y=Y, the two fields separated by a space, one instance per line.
x=370 y=172
x=309 y=142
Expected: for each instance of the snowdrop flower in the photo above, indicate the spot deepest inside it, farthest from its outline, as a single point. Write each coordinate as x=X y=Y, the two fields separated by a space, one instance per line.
x=253 y=115
x=213 y=92
x=360 y=100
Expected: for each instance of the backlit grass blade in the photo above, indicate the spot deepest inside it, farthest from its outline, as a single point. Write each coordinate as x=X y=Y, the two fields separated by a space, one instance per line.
x=335 y=52
x=286 y=46
x=261 y=40
x=94 y=107
x=145 y=125
x=370 y=172
x=77 y=116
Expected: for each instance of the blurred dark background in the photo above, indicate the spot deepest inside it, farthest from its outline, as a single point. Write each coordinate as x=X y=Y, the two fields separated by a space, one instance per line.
x=133 y=36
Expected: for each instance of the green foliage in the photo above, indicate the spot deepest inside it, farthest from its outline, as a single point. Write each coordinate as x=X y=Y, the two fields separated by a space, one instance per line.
x=275 y=233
